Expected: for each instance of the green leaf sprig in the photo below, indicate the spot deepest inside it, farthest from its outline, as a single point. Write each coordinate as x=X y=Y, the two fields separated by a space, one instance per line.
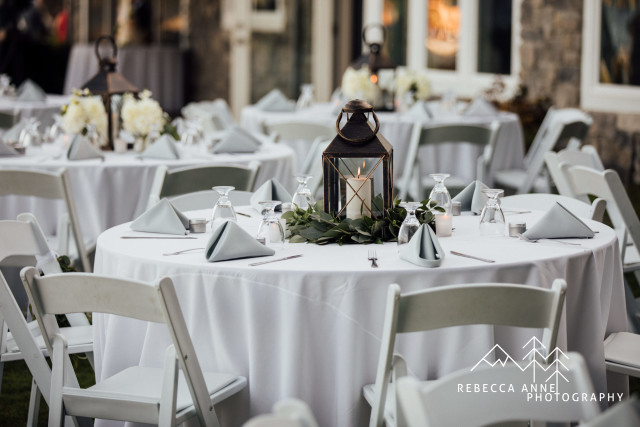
x=314 y=225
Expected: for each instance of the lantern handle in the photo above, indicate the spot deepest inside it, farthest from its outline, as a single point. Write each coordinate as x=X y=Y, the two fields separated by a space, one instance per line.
x=363 y=139
x=113 y=45
x=372 y=25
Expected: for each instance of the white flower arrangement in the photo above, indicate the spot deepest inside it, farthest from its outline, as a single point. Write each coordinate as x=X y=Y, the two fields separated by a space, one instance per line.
x=82 y=111
x=358 y=84
x=413 y=81
x=141 y=116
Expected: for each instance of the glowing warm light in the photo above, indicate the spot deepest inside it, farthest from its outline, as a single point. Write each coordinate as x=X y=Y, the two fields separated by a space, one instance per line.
x=374 y=79
x=358 y=173
x=443 y=25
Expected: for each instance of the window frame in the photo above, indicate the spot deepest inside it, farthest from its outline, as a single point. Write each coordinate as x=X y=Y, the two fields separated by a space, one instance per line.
x=594 y=95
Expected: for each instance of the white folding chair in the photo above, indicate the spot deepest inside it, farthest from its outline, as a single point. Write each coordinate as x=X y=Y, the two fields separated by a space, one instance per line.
x=623 y=414
x=164 y=396
x=286 y=413
x=586 y=156
x=568 y=125
x=439 y=307
x=174 y=182
x=412 y=183
x=206 y=199
x=440 y=403
x=544 y=201
x=50 y=185
x=22 y=340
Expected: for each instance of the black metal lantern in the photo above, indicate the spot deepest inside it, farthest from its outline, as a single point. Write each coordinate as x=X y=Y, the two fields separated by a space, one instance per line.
x=375 y=59
x=358 y=166
x=108 y=82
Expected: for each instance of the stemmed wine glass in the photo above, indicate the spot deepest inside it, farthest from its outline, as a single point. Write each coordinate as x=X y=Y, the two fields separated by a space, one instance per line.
x=492 y=221
x=410 y=224
x=270 y=231
x=302 y=196
x=223 y=209
x=439 y=194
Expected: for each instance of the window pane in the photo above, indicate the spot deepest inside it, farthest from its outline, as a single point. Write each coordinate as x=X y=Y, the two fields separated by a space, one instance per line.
x=494 y=36
x=394 y=19
x=619 y=45
x=443 y=22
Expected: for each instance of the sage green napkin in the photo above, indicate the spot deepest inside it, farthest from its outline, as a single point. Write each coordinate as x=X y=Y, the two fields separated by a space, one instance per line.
x=423 y=249
x=472 y=198
x=162 y=148
x=82 y=149
x=275 y=100
x=30 y=91
x=559 y=223
x=162 y=217
x=270 y=190
x=230 y=241
x=237 y=140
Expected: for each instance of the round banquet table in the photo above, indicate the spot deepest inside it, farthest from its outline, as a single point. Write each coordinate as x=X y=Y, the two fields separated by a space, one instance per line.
x=116 y=190
x=310 y=327
x=456 y=159
x=42 y=110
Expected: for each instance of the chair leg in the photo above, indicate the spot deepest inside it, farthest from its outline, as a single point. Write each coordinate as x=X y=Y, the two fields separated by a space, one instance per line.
x=1 y=374
x=34 y=404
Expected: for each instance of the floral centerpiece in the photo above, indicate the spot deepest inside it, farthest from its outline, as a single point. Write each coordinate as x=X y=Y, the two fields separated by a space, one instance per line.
x=85 y=112
x=314 y=225
x=412 y=83
x=358 y=84
x=142 y=116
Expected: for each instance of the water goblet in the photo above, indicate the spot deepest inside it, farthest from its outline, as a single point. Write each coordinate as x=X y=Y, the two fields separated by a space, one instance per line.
x=492 y=221
x=223 y=209
x=306 y=98
x=439 y=194
x=302 y=197
x=270 y=231
x=410 y=224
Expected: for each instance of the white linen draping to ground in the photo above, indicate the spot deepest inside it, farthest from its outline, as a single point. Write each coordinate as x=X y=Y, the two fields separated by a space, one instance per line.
x=310 y=327
x=116 y=190
x=42 y=110
x=458 y=160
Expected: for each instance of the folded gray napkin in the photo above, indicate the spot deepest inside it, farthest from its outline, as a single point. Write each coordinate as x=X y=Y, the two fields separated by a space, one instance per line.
x=481 y=107
x=162 y=148
x=30 y=91
x=230 y=241
x=237 y=140
x=423 y=249
x=275 y=100
x=420 y=109
x=559 y=223
x=270 y=190
x=472 y=197
x=7 y=151
x=163 y=217
x=81 y=149
x=13 y=134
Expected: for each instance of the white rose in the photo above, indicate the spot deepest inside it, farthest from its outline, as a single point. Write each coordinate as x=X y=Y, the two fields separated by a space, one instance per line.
x=73 y=120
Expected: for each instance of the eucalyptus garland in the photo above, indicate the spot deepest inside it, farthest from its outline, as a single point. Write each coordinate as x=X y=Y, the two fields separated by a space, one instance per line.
x=314 y=225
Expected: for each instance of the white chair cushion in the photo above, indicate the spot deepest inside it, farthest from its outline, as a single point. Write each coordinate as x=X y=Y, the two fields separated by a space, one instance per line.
x=623 y=348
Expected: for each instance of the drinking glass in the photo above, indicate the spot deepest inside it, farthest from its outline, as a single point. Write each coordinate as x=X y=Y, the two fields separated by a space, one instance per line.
x=302 y=196
x=306 y=97
x=410 y=224
x=439 y=194
x=223 y=210
x=270 y=231
x=492 y=221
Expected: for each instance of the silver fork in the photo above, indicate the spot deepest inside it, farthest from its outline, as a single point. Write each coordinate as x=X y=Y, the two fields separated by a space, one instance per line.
x=182 y=251
x=372 y=257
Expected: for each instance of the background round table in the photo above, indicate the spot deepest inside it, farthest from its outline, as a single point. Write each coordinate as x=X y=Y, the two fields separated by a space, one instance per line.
x=116 y=190
x=42 y=110
x=310 y=327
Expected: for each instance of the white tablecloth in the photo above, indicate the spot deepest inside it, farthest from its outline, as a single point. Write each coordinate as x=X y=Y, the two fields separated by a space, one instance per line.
x=117 y=190
x=458 y=160
x=42 y=110
x=157 y=68
x=310 y=327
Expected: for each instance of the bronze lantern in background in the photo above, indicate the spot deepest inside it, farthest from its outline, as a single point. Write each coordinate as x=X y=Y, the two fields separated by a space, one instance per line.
x=358 y=166
x=375 y=59
x=108 y=82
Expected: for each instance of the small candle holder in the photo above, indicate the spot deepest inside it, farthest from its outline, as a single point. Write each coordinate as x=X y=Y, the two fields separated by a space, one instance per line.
x=516 y=228
x=197 y=225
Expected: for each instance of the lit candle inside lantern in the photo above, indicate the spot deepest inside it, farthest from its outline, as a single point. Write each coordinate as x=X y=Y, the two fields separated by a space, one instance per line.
x=443 y=224
x=356 y=203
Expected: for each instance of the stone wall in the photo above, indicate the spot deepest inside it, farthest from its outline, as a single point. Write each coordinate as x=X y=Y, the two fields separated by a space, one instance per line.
x=551 y=59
